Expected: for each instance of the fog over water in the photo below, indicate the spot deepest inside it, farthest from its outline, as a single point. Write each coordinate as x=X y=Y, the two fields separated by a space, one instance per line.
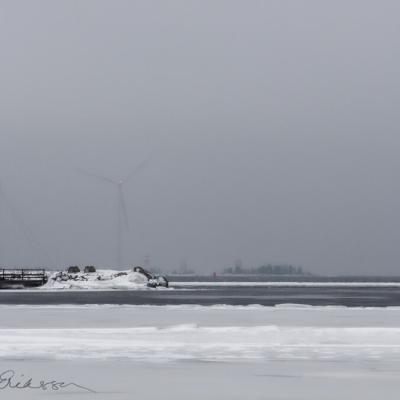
x=271 y=130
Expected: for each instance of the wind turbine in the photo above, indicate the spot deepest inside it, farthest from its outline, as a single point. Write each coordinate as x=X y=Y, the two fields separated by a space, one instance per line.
x=122 y=214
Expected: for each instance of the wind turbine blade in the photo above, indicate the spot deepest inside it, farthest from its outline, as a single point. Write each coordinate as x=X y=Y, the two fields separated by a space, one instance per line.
x=136 y=170
x=92 y=175
x=123 y=209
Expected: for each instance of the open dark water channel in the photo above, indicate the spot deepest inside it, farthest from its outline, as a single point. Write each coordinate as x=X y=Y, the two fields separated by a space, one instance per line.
x=268 y=296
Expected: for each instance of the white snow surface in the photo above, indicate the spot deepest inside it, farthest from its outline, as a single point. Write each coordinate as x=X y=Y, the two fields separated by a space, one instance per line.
x=102 y=279
x=225 y=333
x=190 y=341
x=153 y=352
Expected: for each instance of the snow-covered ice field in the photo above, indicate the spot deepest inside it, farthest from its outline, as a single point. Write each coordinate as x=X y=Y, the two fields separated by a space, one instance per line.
x=196 y=352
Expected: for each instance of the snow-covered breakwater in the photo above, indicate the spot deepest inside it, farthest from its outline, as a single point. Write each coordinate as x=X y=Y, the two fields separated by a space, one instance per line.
x=101 y=279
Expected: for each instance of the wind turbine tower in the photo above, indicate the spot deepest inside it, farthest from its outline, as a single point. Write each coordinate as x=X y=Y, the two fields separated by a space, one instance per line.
x=122 y=214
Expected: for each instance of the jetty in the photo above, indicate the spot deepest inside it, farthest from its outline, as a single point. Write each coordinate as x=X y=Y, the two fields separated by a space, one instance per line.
x=22 y=277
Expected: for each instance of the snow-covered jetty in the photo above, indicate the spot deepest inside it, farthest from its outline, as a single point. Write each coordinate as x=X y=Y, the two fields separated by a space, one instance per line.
x=90 y=278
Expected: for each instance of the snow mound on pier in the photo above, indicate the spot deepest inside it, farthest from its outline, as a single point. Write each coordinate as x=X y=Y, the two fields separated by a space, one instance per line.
x=102 y=279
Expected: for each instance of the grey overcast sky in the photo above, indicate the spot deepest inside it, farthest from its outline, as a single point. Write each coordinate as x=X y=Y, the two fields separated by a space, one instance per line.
x=271 y=128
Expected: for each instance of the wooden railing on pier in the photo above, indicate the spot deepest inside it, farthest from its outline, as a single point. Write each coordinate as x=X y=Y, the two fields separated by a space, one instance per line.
x=28 y=276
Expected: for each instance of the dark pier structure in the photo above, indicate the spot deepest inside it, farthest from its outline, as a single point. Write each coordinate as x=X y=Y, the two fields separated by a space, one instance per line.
x=15 y=278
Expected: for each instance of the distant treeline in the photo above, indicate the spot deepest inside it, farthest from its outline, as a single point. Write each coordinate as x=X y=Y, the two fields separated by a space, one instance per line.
x=267 y=269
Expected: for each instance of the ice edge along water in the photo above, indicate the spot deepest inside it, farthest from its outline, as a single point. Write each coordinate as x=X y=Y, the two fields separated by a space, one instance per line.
x=285 y=284
x=108 y=280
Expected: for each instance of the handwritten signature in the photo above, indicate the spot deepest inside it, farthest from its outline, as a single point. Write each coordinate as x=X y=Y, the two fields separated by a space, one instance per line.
x=8 y=379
